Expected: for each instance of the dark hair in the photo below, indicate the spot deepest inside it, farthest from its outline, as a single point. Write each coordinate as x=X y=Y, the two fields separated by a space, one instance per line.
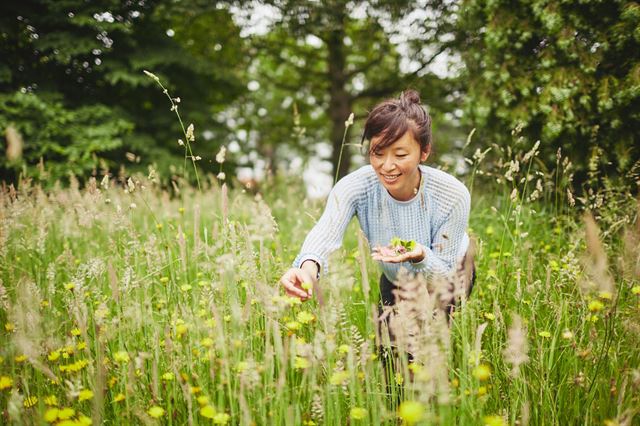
x=393 y=117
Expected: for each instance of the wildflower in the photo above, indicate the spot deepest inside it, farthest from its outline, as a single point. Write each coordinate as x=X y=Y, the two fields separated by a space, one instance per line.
x=344 y=349
x=181 y=210
x=119 y=397
x=164 y=280
x=349 y=121
x=242 y=366
x=75 y=332
x=338 y=378
x=30 y=401
x=20 y=358
x=51 y=401
x=567 y=334
x=156 y=412
x=207 y=342
x=493 y=421
x=221 y=154
x=9 y=327
x=595 y=306
x=293 y=325
x=221 y=176
x=69 y=286
x=44 y=303
x=208 y=412
x=482 y=372
x=85 y=394
x=167 y=377
x=221 y=418
x=358 y=413
x=455 y=383
x=606 y=295
x=66 y=413
x=5 y=382
x=195 y=390
x=306 y=286
x=202 y=400
x=181 y=329
x=121 y=357
x=81 y=345
x=411 y=411
x=482 y=390
x=544 y=334
x=489 y=316
x=636 y=290
x=82 y=421
x=301 y=363
x=190 y=135
x=399 y=378
x=185 y=287
x=51 y=415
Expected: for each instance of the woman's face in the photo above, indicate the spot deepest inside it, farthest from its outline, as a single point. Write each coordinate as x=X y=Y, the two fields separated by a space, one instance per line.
x=397 y=165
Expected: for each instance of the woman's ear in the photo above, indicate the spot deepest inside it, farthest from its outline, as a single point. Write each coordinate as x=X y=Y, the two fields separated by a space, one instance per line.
x=425 y=154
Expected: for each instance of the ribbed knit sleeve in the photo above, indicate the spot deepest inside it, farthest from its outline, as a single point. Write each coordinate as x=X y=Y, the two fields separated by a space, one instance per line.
x=449 y=239
x=326 y=236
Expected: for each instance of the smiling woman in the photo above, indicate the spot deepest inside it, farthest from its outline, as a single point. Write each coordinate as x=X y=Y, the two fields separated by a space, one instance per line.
x=395 y=199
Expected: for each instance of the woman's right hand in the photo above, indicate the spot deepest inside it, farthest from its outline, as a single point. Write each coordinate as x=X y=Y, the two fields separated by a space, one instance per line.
x=298 y=282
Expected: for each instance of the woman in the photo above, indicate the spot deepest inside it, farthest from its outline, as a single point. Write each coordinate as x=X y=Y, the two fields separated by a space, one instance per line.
x=393 y=197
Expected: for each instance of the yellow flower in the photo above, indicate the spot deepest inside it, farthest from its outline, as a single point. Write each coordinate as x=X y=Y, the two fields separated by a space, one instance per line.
x=44 y=303
x=51 y=415
x=167 y=377
x=221 y=418
x=181 y=329
x=207 y=342
x=156 y=412
x=493 y=421
x=30 y=401
x=9 y=327
x=185 y=287
x=119 y=397
x=51 y=400
x=293 y=325
x=85 y=394
x=358 y=413
x=544 y=334
x=159 y=226
x=66 y=413
x=489 y=316
x=455 y=383
x=75 y=332
x=20 y=358
x=242 y=366
x=595 y=306
x=338 y=377
x=121 y=356
x=344 y=349
x=208 y=412
x=411 y=411
x=81 y=345
x=5 y=382
x=181 y=210
x=202 y=400
x=164 y=280
x=482 y=390
x=399 y=378
x=83 y=420
x=301 y=363
x=69 y=286
x=482 y=372
x=305 y=317
x=606 y=295
x=636 y=290
x=195 y=390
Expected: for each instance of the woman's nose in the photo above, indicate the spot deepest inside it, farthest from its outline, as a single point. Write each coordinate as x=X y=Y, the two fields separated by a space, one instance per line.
x=388 y=163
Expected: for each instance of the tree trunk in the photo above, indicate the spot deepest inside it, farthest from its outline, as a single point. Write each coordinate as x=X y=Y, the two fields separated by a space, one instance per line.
x=340 y=100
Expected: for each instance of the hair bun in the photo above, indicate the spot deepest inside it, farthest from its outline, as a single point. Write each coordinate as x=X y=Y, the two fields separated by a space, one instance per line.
x=409 y=97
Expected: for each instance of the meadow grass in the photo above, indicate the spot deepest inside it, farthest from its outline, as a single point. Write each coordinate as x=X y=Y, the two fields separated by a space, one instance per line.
x=123 y=304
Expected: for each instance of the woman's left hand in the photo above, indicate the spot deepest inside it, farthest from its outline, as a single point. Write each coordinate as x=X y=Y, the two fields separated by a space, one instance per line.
x=416 y=255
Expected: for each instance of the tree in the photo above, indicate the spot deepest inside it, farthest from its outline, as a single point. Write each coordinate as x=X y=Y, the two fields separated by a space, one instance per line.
x=71 y=80
x=331 y=58
x=565 y=73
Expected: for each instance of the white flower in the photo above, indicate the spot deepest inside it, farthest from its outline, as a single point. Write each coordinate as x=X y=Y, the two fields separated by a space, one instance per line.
x=221 y=176
x=221 y=154
x=132 y=206
x=130 y=185
x=190 y=135
x=180 y=142
x=349 y=121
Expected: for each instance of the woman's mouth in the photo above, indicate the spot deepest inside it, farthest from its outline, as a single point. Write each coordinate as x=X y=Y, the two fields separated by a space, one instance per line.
x=389 y=178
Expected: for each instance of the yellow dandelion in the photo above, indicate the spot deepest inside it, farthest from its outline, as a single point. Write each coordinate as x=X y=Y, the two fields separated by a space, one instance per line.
x=221 y=418
x=544 y=334
x=202 y=400
x=5 y=382
x=81 y=345
x=358 y=413
x=181 y=329
x=344 y=349
x=9 y=327
x=208 y=411
x=30 y=401
x=301 y=363
x=44 y=303
x=75 y=332
x=305 y=317
x=606 y=295
x=51 y=415
x=455 y=383
x=164 y=280
x=635 y=290
x=181 y=210
x=159 y=226
x=338 y=378
x=482 y=390
x=411 y=412
x=482 y=372
x=69 y=286
x=293 y=325
x=493 y=421
x=51 y=401
x=66 y=413
x=489 y=316
x=85 y=394
x=119 y=397
x=20 y=358
x=156 y=412
x=207 y=342
x=83 y=420
x=112 y=381
x=195 y=390
x=167 y=377
x=595 y=306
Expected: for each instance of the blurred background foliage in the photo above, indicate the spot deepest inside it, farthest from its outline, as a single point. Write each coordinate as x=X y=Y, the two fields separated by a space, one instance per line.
x=274 y=81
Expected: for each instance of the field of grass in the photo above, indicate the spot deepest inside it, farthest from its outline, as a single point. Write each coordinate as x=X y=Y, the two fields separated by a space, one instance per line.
x=121 y=304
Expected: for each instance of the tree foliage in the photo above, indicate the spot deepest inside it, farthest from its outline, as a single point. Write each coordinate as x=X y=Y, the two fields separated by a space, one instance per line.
x=565 y=73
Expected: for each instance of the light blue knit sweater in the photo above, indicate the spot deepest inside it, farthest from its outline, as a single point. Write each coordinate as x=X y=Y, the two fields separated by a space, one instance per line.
x=436 y=217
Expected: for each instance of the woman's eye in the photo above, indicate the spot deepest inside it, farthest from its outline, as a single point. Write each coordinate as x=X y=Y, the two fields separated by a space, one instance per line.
x=401 y=155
